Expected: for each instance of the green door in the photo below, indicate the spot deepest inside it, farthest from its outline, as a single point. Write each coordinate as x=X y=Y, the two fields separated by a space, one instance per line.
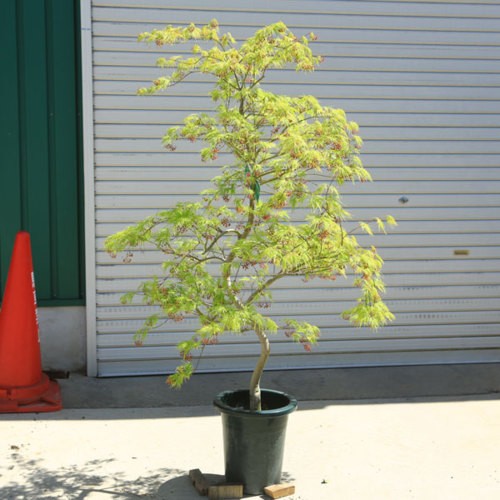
x=40 y=144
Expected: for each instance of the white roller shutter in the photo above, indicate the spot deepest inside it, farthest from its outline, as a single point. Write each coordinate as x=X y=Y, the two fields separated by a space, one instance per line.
x=423 y=81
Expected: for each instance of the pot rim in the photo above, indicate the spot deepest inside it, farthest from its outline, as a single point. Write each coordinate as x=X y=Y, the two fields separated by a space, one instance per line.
x=275 y=412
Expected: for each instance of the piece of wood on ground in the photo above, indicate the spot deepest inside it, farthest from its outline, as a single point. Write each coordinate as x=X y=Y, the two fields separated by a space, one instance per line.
x=279 y=490
x=221 y=491
x=200 y=482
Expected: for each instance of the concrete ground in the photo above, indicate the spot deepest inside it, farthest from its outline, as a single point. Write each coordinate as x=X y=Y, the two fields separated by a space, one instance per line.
x=438 y=447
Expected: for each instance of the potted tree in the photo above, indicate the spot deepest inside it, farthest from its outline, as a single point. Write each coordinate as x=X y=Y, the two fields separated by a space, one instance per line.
x=273 y=212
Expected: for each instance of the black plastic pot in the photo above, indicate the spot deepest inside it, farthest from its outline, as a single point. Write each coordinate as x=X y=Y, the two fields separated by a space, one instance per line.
x=254 y=441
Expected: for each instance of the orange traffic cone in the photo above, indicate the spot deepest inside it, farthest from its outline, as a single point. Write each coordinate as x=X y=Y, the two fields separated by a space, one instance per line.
x=23 y=386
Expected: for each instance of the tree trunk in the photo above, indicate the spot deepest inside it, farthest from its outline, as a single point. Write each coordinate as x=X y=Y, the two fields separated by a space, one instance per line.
x=255 y=396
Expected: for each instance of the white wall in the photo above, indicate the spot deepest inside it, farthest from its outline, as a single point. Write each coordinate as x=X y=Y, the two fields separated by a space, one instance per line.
x=63 y=338
x=423 y=81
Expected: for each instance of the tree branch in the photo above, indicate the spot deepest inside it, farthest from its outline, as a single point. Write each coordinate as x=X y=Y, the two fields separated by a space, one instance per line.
x=264 y=286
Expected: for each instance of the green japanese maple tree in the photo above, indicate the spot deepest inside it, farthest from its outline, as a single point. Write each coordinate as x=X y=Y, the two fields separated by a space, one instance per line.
x=288 y=155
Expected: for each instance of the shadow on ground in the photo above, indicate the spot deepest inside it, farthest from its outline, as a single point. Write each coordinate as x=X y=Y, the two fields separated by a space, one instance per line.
x=28 y=479
x=333 y=384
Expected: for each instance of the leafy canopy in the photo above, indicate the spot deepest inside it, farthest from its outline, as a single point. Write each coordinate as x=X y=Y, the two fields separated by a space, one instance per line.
x=288 y=155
